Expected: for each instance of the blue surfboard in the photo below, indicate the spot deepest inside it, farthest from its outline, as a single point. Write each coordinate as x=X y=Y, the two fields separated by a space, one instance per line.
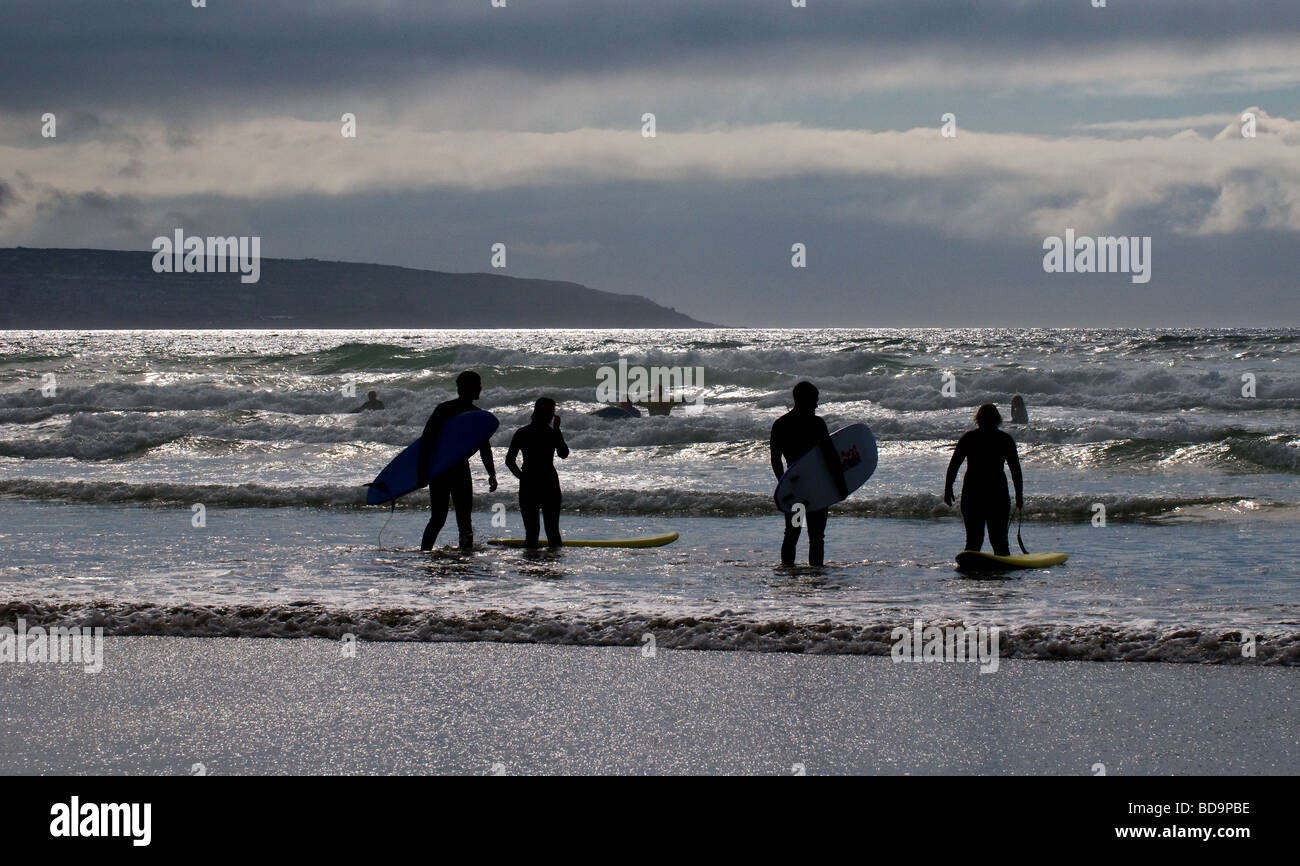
x=461 y=436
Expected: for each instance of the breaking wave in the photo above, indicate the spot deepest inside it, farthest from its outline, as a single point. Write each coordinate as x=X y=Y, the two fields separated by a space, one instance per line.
x=667 y=502
x=83 y=431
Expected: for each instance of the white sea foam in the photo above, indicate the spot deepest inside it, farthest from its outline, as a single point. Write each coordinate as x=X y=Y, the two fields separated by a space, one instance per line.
x=1053 y=642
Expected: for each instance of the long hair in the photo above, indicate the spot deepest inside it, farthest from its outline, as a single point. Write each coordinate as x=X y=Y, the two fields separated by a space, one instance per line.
x=544 y=409
x=988 y=416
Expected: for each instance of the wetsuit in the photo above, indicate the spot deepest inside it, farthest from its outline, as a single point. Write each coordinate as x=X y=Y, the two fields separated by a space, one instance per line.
x=539 y=485
x=1019 y=411
x=454 y=481
x=984 y=500
x=794 y=434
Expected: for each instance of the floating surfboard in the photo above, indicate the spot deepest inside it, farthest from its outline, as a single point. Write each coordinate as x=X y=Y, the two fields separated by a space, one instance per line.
x=643 y=541
x=617 y=413
x=461 y=436
x=808 y=480
x=973 y=560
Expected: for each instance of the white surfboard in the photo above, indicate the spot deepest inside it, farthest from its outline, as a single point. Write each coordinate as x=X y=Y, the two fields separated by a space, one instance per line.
x=809 y=481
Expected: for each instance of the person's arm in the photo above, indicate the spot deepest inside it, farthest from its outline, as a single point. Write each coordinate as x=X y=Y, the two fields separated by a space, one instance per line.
x=958 y=455
x=485 y=451
x=511 y=454
x=833 y=462
x=561 y=447
x=778 y=468
x=1017 y=480
x=428 y=441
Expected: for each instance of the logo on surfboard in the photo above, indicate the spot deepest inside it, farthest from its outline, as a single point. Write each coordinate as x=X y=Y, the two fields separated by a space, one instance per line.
x=850 y=457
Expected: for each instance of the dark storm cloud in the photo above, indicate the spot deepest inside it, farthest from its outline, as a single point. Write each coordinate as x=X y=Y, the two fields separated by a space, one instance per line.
x=156 y=55
x=73 y=215
x=519 y=125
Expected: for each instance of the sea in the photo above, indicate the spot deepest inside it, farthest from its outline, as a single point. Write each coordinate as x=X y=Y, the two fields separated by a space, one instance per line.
x=211 y=483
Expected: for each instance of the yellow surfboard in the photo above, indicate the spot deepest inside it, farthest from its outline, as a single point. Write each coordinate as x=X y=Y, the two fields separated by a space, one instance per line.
x=643 y=541
x=974 y=560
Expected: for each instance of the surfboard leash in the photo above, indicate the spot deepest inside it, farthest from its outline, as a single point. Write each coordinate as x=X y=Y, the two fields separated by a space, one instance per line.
x=1020 y=513
x=379 y=542
x=391 y=512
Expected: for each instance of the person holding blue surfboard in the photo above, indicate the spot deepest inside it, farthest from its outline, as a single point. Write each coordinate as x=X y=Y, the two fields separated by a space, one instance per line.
x=984 y=500
x=539 y=484
x=794 y=434
x=454 y=482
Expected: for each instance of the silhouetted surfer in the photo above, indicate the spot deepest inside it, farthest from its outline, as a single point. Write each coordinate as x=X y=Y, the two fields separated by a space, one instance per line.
x=454 y=481
x=984 y=500
x=658 y=408
x=1019 y=412
x=372 y=403
x=539 y=485
x=794 y=434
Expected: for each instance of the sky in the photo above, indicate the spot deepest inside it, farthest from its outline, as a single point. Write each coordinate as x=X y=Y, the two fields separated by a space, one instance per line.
x=775 y=125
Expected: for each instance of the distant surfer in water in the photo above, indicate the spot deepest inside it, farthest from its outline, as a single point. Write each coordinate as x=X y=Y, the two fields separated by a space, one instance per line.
x=794 y=434
x=619 y=412
x=1019 y=412
x=372 y=403
x=454 y=481
x=539 y=484
x=984 y=500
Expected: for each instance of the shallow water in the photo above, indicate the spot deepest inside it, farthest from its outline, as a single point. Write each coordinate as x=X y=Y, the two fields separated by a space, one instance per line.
x=1198 y=484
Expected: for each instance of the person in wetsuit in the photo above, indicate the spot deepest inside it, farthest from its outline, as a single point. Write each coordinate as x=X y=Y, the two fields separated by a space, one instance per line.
x=454 y=481
x=794 y=434
x=1019 y=412
x=539 y=485
x=984 y=500
x=372 y=404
